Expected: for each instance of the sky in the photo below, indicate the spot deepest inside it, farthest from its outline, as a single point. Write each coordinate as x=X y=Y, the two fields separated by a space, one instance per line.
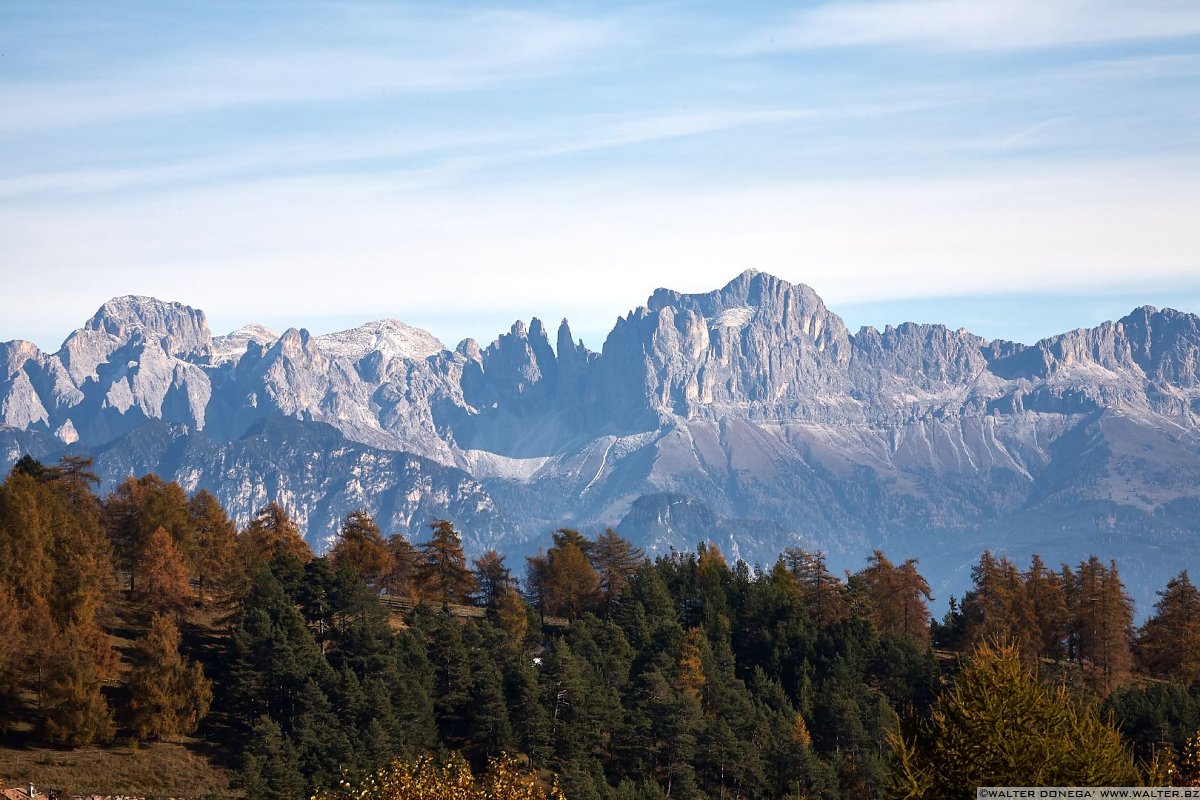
x=1016 y=167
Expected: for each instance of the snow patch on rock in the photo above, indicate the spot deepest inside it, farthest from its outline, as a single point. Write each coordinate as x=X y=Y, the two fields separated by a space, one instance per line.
x=232 y=346
x=485 y=464
x=734 y=317
x=390 y=337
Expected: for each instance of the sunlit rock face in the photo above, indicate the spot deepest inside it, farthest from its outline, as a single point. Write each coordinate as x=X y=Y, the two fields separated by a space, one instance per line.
x=748 y=415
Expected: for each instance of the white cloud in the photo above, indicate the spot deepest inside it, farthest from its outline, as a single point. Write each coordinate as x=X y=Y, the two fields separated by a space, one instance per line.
x=320 y=246
x=980 y=24
x=612 y=133
x=394 y=56
x=430 y=157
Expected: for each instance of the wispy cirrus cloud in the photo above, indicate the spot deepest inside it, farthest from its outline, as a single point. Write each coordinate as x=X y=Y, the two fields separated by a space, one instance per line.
x=423 y=157
x=347 y=61
x=658 y=127
x=955 y=25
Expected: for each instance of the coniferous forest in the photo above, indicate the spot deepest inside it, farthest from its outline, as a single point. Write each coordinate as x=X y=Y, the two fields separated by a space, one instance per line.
x=389 y=668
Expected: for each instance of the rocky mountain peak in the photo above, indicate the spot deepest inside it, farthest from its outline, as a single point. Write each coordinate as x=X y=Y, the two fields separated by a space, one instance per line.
x=181 y=330
x=565 y=342
x=518 y=369
x=758 y=340
x=14 y=354
x=570 y=351
x=470 y=350
x=295 y=343
x=1165 y=343
x=777 y=308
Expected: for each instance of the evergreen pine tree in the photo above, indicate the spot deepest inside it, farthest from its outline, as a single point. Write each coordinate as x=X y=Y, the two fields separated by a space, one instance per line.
x=676 y=722
x=1155 y=714
x=270 y=768
x=493 y=579
x=730 y=761
x=273 y=656
x=528 y=718
x=824 y=595
x=563 y=697
x=410 y=689
x=29 y=466
x=451 y=675
x=488 y=731
x=442 y=571
x=321 y=737
x=615 y=560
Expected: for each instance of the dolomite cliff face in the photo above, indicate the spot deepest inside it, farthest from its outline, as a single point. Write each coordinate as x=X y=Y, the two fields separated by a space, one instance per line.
x=748 y=415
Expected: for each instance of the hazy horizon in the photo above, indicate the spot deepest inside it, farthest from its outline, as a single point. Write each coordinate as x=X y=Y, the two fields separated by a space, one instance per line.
x=1024 y=318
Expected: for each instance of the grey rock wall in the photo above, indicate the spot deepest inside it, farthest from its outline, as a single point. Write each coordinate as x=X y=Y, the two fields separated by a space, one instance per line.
x=753 y=400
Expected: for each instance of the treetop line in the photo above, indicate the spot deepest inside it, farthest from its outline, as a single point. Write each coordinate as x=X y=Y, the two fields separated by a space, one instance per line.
x=682 y=676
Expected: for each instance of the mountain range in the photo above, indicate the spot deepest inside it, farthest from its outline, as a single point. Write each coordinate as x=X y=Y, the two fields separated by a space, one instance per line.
x=748 y=416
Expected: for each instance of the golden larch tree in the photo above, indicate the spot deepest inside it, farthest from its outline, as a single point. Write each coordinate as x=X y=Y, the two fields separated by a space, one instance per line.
x=162 y=575
x=361 y=548
x=167 y=694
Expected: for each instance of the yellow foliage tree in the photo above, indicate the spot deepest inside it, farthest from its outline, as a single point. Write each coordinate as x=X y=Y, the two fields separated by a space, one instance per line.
x=997 y=725
x=512 y=616
x=75 y=712
x=691 y=664
x=898 y=598
x=1189 y=766
x=271 y=533
x=1169 y=644
x=163 y=576
x=427 y=778
x=216 y=559
x=361 y=547
x=10 y=646
x=168 y=694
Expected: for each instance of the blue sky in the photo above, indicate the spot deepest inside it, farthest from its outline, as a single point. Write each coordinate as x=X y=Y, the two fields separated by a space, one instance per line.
x=1018 y=167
